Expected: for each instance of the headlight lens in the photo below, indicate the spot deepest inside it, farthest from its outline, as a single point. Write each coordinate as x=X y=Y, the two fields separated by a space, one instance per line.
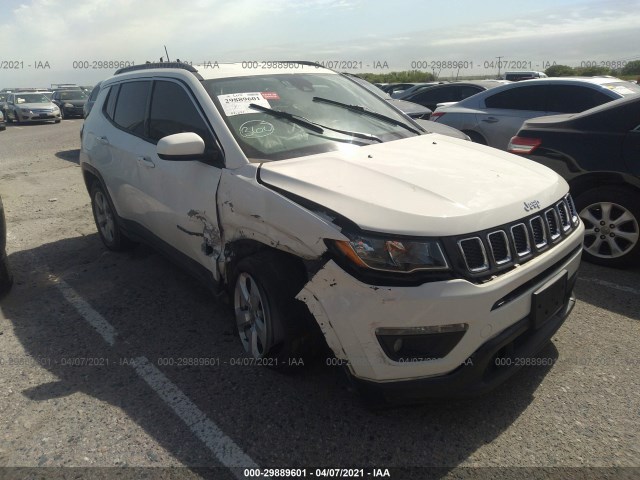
x=68 y=105
x=25 y=110
x=393 y=255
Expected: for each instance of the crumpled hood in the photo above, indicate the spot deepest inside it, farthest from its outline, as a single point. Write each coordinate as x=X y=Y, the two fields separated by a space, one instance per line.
x=426 y=185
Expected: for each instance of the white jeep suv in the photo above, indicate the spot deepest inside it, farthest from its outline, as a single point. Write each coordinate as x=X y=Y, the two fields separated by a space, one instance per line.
x=431 y=266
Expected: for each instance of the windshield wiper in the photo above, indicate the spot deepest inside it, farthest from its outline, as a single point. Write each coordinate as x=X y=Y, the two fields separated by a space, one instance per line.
x=365 y=111
x=316 y=127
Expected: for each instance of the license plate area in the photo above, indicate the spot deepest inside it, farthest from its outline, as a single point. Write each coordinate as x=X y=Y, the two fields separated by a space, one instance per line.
x=548 y=299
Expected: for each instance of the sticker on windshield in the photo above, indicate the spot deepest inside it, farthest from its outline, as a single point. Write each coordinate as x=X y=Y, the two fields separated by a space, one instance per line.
x=238 y=103
x=256 y=129
x=621 y=89
x=270 y=95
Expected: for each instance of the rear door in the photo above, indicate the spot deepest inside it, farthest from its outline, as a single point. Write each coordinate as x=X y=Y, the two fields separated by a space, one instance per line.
x=506 y=111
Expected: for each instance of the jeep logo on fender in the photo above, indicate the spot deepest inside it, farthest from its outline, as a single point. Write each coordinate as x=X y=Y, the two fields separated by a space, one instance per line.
x=534 y=204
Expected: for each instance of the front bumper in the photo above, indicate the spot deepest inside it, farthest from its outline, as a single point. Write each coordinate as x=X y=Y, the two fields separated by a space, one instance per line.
x=350 y=312
x=73 y=111
x=39 y=117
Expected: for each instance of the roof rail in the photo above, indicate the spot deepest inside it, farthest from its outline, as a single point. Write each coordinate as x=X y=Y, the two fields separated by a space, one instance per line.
x=149 y=66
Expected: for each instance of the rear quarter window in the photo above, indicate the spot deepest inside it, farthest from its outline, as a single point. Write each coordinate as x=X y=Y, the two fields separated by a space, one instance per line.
x=531 y=97
x=574 y=98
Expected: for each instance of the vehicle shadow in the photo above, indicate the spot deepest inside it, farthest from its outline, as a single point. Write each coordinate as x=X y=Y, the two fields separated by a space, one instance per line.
x=70 y=155
x=308 y=419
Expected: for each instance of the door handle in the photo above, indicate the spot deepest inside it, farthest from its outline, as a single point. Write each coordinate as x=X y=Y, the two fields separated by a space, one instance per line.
x=103 y=140
x=146 y=162
x=490 y=120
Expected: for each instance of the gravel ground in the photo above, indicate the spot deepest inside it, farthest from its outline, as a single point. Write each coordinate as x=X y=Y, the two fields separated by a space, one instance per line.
x=71 y=399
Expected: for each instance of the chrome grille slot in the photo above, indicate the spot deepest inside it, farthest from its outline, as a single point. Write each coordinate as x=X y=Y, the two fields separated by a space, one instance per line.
x=474 y=254
x=489 y=253
x=499 y=244
x=553 y=223
x=575 y=220
x=539 y=232
x=563 y=211
x=520 y=238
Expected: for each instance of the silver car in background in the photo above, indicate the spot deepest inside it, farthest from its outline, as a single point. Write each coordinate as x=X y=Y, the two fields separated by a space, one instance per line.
x=31 y=107
x=494 y=116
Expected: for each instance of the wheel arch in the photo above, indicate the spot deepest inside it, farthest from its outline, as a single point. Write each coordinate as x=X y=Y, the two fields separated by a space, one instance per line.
x=588 y=181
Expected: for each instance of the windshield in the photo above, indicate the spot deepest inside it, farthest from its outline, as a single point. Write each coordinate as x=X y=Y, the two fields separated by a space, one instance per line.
x=318 y=115
x=73 y=95
x=32 y=98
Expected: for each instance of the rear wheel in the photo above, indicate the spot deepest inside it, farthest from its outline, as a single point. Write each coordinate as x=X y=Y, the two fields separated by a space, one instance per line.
x=612 y=226
x=105 y=219
x=273 y=326
x=476 y=137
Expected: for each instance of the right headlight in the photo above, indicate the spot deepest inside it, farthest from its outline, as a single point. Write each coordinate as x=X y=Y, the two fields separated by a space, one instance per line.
x=392 y=254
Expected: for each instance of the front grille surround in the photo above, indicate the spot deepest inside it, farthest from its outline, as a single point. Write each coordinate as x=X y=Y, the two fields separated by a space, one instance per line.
x=482 y=255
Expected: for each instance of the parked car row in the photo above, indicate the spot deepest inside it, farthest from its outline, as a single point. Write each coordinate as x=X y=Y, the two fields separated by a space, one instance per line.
x=38 y=105
x=493 y=116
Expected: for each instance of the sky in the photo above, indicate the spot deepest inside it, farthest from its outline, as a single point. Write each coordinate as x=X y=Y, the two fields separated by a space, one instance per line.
x=69 y=41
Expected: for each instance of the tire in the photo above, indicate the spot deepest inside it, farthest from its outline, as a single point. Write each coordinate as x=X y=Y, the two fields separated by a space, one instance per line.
x=56 y=121
x=106 y=221
x=16 y=118
x=6 y=278
x=61 y=113
x=475 y=137
x=273 y=326
x=611 y=216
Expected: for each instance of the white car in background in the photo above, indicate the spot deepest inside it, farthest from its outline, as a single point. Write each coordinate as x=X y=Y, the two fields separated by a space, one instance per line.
x=494 y=116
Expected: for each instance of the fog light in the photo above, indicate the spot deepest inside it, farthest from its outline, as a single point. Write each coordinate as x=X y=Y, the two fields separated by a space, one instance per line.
x=420 y=343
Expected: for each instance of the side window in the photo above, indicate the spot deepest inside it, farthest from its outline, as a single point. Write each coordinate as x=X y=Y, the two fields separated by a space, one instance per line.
x=436 y=95
x=573 y=98
x=467 y=91
x=110 y=103
x=523 y=98
x=131 y=106
x=173 y=111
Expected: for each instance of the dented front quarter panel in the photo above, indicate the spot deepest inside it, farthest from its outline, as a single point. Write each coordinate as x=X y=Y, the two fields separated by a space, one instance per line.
x=349 y=312
x=249 y=210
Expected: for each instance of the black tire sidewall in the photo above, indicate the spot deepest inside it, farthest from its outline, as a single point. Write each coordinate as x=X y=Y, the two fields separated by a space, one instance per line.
x=117 y=243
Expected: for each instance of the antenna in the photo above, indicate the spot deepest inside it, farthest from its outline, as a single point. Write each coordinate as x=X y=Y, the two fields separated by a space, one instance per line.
x=165 y=51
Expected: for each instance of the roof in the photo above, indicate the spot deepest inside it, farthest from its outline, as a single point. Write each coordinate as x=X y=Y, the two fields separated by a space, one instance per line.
x=213 y=70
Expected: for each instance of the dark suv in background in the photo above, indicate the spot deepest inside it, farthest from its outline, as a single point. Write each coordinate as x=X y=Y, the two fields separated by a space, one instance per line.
x=71 y=102
x=598 y=153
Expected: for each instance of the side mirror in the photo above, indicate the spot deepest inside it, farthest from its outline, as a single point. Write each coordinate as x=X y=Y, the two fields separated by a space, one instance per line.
x=181 y=146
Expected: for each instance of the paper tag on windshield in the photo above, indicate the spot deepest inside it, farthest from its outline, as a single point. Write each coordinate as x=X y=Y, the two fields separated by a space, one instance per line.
x=238 y=103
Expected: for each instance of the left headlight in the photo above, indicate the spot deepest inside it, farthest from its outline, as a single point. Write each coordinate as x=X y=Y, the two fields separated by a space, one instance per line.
x=68 y=105
x=392 y=255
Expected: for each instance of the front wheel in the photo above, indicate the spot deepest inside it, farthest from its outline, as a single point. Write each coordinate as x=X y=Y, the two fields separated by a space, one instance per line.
x=612 y=226
x=273 y=326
